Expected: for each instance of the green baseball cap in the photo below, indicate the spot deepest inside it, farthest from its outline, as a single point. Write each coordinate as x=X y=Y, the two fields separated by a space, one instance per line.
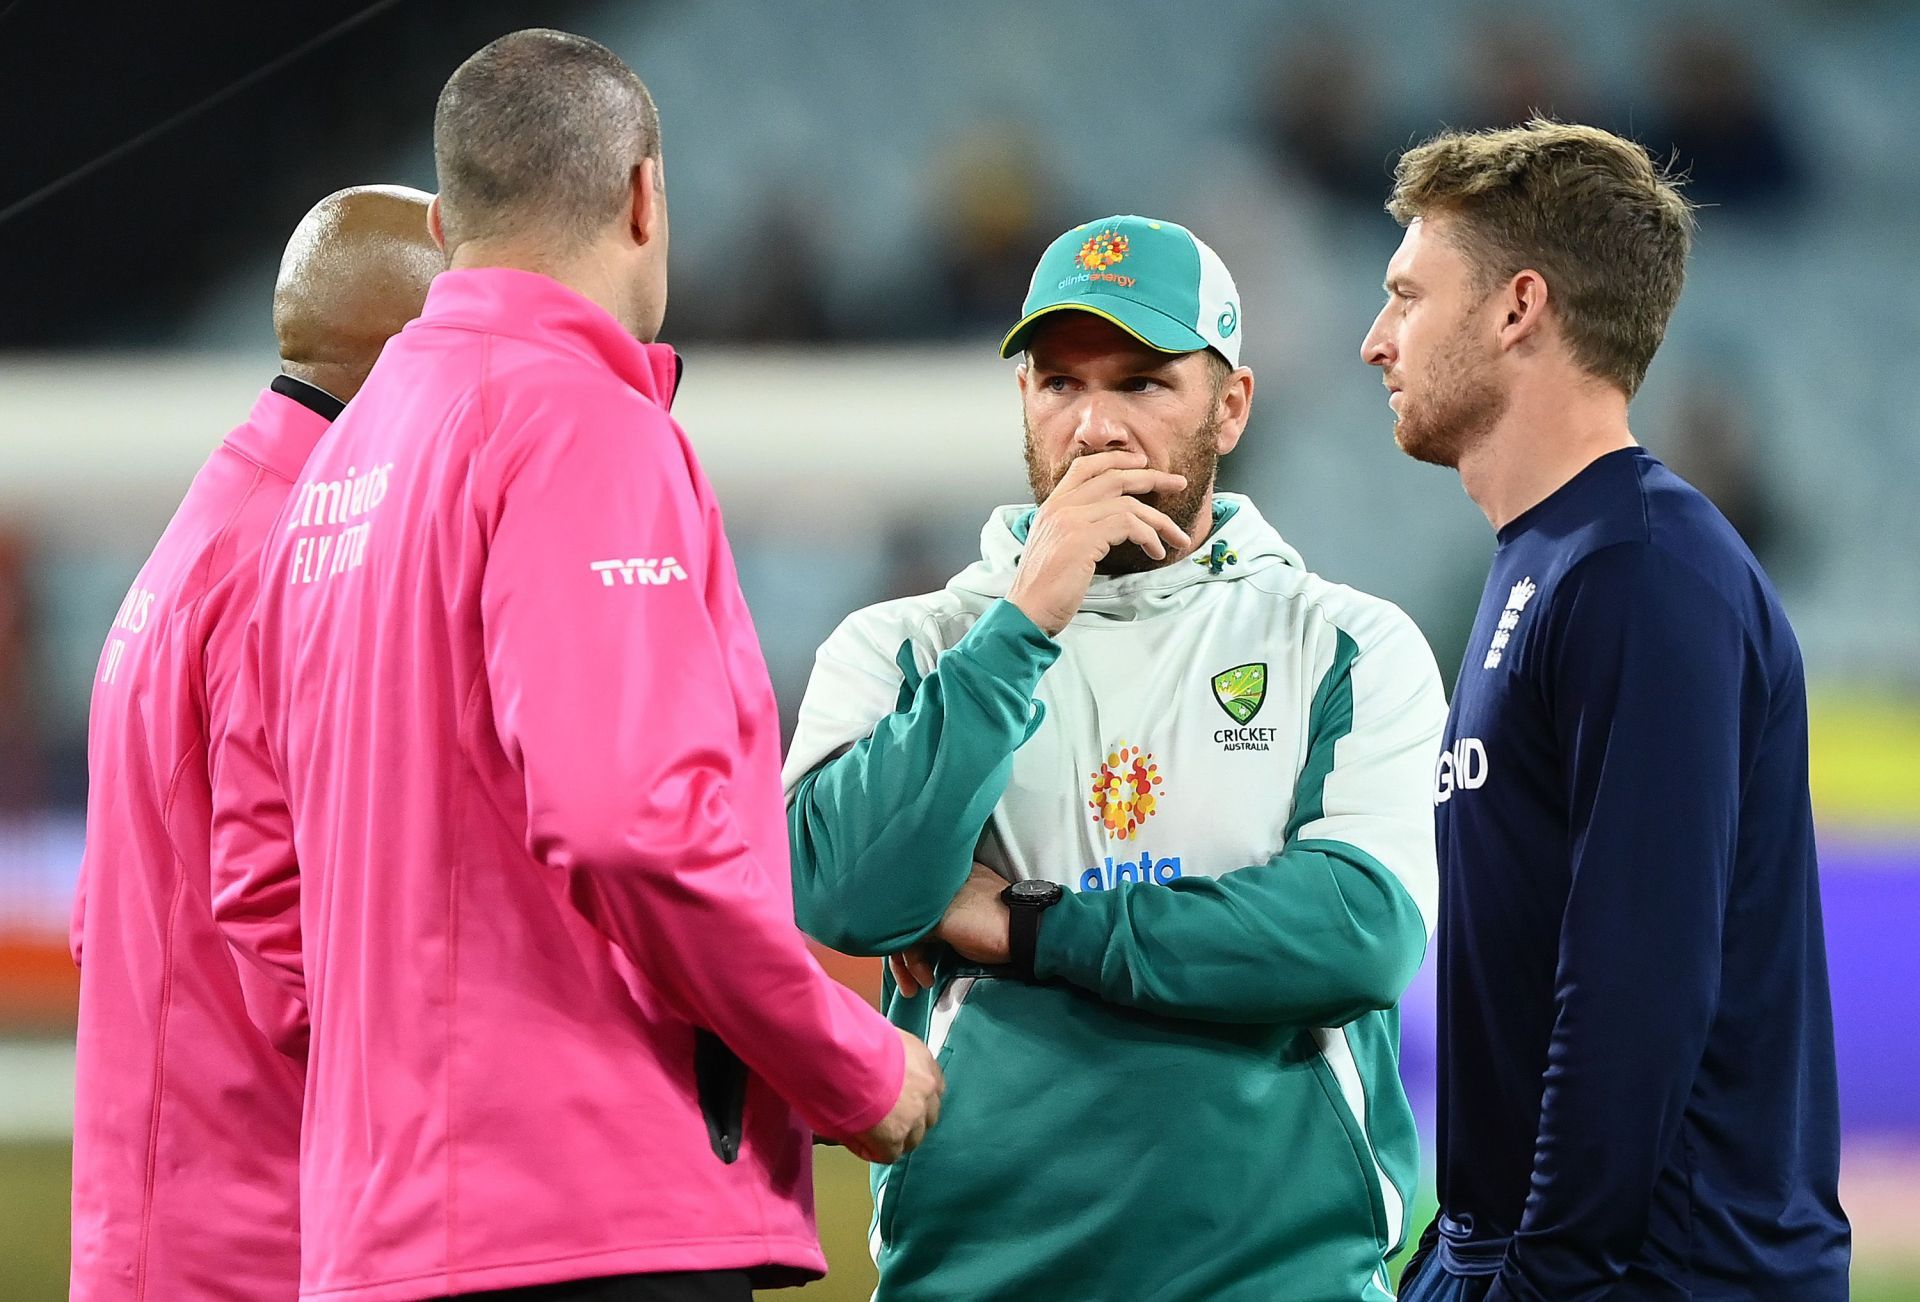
x=1156 y=280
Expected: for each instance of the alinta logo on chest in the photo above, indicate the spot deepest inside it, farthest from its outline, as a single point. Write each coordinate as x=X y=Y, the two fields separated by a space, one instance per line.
x=1125 y=795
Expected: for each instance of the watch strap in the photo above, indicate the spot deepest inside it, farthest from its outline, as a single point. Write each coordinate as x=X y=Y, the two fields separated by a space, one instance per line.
x=1023 y=937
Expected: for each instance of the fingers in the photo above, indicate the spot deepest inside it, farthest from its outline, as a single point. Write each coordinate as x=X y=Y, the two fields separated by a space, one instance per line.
x=1118 y=482
x=877 y=1151
x=903 y=975
x=930 y=1113
x=1129 y=519
x=1142 y=534
x=1161 y=523
x=1139 y=482
x=1094 y=463
x=915 y=1113
x=1101 y=475
x=912 y=970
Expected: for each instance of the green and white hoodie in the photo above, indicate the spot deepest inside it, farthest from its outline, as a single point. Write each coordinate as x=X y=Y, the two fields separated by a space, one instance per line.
x=1228 y=763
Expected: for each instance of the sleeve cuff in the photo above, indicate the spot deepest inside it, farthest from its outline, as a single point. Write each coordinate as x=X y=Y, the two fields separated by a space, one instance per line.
x=1072 y=938
x=890 y=1070
x=1009 y=646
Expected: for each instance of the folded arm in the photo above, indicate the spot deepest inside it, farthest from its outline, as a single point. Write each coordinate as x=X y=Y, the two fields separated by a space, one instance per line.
x=1329 y=928
x=883 y=834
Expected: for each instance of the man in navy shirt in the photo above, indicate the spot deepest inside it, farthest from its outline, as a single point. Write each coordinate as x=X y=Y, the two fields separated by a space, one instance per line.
x=1637 y=1095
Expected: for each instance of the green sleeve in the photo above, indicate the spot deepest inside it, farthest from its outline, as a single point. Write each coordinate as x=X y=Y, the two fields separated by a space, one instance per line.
x=1316 y=936
x=1335 y=924
x=884 y=834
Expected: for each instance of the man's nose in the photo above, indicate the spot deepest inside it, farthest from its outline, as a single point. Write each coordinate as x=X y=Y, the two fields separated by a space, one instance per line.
x=1376 y=349
x=1099 y=428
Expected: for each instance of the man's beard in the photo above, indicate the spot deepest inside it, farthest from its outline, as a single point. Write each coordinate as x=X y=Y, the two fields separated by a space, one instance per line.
x=1196 y=459
x=1462 y=403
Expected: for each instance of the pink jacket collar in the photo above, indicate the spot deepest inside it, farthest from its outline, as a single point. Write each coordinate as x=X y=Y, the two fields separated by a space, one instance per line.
x=527 y=305
x=280 y=434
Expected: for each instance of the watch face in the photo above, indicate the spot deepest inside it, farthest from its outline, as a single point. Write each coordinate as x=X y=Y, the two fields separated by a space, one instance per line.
x=1035 y=892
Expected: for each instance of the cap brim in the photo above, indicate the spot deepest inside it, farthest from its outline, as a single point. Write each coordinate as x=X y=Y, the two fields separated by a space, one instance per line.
x=1150 y=326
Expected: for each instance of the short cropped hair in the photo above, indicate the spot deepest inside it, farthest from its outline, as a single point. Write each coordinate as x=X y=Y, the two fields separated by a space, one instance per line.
x=1588 y=210
x=1219 y=371
x=537 y=135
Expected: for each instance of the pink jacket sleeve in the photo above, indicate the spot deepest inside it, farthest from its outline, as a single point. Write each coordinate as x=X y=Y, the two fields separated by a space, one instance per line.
x=77 y=924
x=612 y=702
x=255 y=877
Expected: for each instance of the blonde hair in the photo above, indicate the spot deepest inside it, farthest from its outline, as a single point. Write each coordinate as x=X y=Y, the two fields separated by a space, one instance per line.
x=1588 y=210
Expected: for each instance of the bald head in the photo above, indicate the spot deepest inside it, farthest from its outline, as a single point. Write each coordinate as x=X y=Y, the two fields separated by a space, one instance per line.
x=355 y=272
x=536 y=139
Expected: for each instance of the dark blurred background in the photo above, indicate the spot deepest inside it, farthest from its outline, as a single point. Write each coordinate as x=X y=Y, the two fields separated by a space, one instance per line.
x=859 y=191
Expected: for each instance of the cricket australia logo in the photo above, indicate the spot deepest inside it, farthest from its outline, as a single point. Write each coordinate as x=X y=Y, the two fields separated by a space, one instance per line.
x=1509 y=620
x=640 y=569
x=1241 y=691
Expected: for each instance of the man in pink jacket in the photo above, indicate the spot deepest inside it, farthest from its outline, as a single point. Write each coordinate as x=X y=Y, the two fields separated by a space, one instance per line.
x=186 y=1120
x=530 y=866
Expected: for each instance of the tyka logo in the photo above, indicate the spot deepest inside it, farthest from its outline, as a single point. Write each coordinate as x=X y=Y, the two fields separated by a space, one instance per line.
x=641 y=570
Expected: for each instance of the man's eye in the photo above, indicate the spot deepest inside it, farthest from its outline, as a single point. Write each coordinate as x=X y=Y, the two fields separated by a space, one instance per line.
x=1054 y=384
x=1140 y=384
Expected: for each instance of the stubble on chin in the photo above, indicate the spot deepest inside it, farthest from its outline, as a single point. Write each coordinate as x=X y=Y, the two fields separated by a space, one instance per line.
x=1423 y=442
x=1454 y=415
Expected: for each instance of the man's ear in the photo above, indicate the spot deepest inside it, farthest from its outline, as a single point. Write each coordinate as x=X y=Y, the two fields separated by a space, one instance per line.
x=434 y=228
x=1235 y=406
x=1523 y=309
x=649 y=212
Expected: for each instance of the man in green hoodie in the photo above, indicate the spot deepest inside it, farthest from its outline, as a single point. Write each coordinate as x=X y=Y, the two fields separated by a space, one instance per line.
x=1141 y=812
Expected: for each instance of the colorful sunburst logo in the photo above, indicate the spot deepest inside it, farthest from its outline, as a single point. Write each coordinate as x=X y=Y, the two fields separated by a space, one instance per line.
x=1102 y=251
x=1123 y=791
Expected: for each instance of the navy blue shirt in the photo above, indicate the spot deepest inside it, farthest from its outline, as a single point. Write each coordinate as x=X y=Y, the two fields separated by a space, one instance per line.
x=1637 y=1095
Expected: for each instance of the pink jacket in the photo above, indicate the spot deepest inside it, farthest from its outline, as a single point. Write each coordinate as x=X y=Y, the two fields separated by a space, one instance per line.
x=186 y=1121
x=502 y=671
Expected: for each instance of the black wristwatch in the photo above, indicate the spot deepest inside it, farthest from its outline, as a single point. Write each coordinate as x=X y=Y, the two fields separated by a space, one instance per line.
x=1026 y=902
